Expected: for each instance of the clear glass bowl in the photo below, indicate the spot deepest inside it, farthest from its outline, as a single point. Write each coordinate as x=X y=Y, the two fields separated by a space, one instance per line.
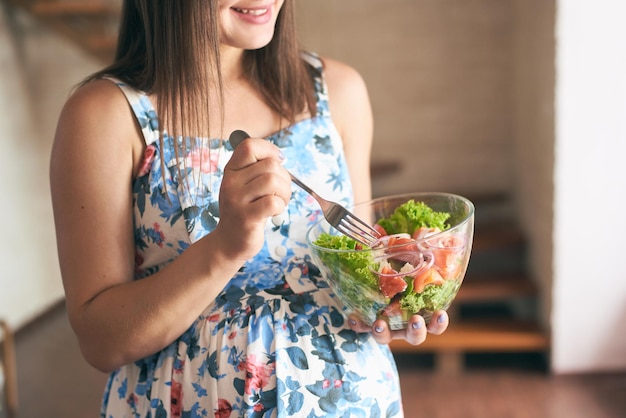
x=405 y=274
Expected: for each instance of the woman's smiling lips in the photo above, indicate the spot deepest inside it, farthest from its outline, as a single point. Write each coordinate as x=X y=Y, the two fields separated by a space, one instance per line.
x=256 y=15
x=255 y=12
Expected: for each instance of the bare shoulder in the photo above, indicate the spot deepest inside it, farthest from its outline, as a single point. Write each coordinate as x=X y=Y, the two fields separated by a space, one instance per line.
x=344 y=81
x=348 y=98
x=98 y=101
x=96 y=118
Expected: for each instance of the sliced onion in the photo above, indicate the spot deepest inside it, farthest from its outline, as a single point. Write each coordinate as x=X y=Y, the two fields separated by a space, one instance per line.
x=418 y=262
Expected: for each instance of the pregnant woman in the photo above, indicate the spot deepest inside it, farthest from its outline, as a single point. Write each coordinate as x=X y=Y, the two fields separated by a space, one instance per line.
x=184 y=262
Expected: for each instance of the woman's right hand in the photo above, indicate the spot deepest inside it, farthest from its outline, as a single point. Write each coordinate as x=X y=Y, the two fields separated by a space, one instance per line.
x=255 y=186
x=117 y=319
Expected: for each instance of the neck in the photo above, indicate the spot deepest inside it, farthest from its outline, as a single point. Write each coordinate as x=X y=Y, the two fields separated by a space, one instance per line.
x=231 y=64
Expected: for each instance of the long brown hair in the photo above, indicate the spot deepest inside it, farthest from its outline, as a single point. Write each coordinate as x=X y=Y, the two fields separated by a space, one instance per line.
x=164 y=47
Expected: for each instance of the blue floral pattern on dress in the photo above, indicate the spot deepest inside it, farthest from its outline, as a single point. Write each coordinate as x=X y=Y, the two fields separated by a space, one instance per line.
x=275 y=342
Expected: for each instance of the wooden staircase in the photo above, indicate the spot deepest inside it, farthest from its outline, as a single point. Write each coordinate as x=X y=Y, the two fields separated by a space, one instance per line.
x=496 y=308
x=90 y=24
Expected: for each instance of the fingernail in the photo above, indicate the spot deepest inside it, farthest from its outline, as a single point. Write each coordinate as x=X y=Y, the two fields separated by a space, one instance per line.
x=352 y=322
x=378 y=329
x=441 y=319
x=416 y=325
x=281 y=155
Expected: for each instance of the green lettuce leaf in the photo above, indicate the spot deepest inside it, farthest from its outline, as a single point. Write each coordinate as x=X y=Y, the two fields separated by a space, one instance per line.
x=352 y=264
x=433 y=298
x=413 y=215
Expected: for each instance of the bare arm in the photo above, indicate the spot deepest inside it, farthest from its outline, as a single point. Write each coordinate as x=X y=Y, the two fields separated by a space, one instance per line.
x=117 y=319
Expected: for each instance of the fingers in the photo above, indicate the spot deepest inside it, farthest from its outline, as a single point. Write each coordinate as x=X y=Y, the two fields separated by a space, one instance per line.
x=381 y=332
x=357 y=325
x=416 y=330
x=253 y=150
x=255 y=181
x=266 y=177
x=415 y=333
x=439 y=323
x=255 y=186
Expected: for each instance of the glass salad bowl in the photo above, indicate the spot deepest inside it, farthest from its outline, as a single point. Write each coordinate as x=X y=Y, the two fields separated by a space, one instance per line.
x=417 y=267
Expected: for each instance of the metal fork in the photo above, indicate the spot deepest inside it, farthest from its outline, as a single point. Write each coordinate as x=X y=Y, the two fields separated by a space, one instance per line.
x=336 y=215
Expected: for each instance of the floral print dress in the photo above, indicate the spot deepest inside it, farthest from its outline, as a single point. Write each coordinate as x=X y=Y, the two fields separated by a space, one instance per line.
x=274 y=343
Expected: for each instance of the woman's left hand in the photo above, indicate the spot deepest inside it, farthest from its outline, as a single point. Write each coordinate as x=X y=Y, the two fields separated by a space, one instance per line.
x=415 y=332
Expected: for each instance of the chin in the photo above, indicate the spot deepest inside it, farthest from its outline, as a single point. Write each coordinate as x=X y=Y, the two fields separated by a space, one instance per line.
x=249 y=42
x=259 y=43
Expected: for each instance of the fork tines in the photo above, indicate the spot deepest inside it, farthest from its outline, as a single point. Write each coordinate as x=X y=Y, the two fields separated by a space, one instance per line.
x=358 y=230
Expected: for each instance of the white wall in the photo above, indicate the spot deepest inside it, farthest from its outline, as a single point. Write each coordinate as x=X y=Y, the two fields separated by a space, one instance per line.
x=589 y=298
x=37 y=71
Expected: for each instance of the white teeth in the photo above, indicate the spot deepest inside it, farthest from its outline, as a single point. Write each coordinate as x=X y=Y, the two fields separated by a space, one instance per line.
x=255 y=12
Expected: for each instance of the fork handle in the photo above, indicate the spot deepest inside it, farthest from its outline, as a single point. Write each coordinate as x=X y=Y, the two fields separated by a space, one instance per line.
x=302 y=185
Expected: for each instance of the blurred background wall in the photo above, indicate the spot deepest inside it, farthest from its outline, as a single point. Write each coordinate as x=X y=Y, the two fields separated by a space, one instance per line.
x=439 y=75
x=522 y=98
x=37 y=70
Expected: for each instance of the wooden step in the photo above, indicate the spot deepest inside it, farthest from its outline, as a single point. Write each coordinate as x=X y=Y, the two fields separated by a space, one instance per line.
x=74 y=7
x=481 y=336
x=379 y=169
x=497 y=235
x=477 y=289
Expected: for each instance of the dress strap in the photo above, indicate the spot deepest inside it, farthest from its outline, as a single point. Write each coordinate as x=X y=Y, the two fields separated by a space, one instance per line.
x=316 y=68
x=142 y=108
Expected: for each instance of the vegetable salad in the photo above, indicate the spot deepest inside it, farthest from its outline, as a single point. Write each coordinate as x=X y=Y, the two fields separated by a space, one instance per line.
x=415 y=267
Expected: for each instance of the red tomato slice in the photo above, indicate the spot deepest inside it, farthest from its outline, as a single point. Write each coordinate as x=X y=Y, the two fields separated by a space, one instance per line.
x=387 y=270
x=380 y=230
x=430 y=276
x=446 y=262
x=403 y=244
x=391 y=285
x=446 y=256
